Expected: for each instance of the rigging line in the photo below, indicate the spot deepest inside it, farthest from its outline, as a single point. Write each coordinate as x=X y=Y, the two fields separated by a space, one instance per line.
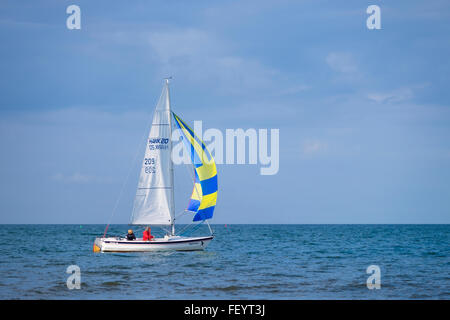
x=126 y=179
x=123 y=185
x=193 y=226
x=191 y=175
x=179 y=216
x=196 y=226
x=164 y=229
x=188 y=167
x=193 y=181
x=185 y=211
x=182 y=213
x=185 y=228
x=210 y=229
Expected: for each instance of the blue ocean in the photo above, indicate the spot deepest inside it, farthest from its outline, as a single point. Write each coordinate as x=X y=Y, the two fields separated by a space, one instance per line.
x=242 y=262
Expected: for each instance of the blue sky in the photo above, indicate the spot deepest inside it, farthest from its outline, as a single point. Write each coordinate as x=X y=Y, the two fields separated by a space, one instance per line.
x=364 y=115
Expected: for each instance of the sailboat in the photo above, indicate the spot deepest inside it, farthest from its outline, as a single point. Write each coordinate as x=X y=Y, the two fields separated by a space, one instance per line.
x=154 y=200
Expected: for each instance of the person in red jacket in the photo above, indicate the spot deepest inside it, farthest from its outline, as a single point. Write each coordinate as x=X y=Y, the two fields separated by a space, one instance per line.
x=147 y=234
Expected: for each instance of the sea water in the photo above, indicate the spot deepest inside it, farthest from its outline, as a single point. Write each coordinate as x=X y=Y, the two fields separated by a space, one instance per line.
x=242 y=262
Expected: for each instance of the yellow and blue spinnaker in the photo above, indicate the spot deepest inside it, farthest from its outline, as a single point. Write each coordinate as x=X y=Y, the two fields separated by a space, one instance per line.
x=204 y=196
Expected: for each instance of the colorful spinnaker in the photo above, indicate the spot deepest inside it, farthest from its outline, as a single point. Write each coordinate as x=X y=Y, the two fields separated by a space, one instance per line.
x=204 y=195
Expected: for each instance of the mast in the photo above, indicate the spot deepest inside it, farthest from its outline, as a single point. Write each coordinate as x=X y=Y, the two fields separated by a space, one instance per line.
x=172 y=207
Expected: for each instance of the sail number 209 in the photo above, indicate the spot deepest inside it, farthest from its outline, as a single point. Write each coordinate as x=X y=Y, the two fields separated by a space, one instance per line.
x=149 y=165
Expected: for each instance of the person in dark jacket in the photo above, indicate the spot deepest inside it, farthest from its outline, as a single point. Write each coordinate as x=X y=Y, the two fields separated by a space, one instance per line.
x=130 y=235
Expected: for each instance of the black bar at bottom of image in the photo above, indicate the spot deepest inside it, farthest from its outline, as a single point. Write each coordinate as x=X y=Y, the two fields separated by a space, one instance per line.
x=219 y=309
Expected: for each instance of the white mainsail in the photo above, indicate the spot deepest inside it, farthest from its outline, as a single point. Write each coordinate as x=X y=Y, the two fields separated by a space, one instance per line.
x=154 y=201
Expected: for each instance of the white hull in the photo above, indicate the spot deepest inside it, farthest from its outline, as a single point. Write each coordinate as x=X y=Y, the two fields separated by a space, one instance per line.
x=174 y=243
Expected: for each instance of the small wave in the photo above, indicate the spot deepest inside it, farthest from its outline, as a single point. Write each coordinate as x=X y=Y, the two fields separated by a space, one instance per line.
x=264 y=287
x=420 y=296
x=226 y=289
x=285 y=275
x=112 y=283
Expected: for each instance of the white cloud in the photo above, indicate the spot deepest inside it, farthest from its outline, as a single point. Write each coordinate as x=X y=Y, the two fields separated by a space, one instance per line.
x=342 y=62
x=397 y=95
x=314 y=146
